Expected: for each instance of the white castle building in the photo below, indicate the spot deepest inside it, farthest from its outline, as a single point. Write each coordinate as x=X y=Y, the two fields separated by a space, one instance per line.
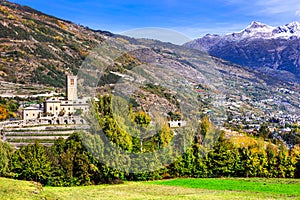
x=59 y=106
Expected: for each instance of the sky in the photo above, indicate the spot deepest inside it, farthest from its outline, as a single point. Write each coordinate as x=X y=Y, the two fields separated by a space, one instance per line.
x=192 y=18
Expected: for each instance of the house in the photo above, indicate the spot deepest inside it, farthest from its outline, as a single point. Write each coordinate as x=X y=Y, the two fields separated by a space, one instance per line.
x=177 y=124
x=31 y=113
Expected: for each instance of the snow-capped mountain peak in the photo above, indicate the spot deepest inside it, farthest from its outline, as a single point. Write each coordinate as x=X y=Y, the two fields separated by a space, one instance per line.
x=259 y=30
x=289 y=30
x=258 y=26
x=274 y=49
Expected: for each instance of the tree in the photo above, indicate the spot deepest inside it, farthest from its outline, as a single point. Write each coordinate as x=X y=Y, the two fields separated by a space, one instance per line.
x=3 y=113
x=295 y=155
x=200 y=166
x=142 y=119
x=165 y=136
x=73 y=164
x=297 y=173
x=223 y=158
x=31 y=163
x=264 y=131
x=272 y=161
x=6 y=152
x=204 y=128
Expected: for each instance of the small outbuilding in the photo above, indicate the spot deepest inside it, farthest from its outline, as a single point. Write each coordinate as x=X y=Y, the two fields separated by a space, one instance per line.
x=31 y=113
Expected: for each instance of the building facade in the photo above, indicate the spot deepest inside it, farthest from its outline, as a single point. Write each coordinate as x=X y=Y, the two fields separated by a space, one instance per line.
x=58 y=106
x=71 y=87
x=31 y=113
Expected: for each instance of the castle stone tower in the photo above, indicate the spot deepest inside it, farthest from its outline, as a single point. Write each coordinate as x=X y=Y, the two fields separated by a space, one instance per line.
x=71 y=83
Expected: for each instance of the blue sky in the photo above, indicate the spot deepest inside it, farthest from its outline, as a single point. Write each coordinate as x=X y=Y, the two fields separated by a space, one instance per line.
x=194 y=18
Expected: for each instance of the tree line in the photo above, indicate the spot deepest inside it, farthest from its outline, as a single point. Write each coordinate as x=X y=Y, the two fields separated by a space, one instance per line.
x=70 y=162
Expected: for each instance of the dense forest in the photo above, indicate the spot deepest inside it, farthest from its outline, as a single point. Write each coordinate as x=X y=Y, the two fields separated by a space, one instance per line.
x=71 y=162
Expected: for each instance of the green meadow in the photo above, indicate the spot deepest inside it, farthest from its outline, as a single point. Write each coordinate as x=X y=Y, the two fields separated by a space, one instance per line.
x=231 y=188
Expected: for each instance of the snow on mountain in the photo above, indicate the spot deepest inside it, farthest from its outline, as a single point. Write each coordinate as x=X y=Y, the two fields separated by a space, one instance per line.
x=288 y=30
x=258 y=46
x=260 y=30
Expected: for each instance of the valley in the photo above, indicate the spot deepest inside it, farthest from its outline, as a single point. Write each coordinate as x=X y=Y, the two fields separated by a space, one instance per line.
x=83 y=107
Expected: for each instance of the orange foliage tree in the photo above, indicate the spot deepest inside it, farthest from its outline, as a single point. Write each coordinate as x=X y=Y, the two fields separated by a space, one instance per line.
x=3 y=113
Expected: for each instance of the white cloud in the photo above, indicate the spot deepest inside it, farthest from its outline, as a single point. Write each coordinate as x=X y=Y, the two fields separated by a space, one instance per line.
x=278 y=6
x=268 y=7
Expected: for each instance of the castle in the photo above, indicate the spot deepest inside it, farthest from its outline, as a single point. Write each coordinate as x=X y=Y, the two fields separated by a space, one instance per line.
x=59 y=107
x=67 y=110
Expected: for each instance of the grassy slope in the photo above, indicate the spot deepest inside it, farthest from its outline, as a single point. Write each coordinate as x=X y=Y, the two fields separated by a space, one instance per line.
x=170 y=189
x=15 y=189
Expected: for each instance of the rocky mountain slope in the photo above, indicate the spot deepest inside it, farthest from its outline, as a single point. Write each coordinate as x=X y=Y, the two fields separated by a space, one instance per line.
x=274 y=50
x=39 y=48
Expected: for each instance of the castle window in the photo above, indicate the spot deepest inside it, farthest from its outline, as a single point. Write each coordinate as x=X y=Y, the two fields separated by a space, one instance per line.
x=50 y=107
x=72 y=81
x=56 y=108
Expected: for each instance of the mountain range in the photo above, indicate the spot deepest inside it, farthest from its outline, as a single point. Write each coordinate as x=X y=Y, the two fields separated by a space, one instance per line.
x=273 y=50
x=40 y=49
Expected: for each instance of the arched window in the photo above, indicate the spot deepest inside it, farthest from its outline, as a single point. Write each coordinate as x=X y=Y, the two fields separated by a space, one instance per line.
x=50 y=107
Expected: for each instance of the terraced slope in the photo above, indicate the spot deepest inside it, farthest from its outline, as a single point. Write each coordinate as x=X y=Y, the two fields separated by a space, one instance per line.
x=39 y=48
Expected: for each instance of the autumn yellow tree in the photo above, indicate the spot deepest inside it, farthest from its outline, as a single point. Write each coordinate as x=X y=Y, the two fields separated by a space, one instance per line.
x=3 y=113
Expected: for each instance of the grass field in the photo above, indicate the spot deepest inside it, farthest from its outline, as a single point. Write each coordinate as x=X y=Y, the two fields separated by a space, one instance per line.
x=290 y=187
x=167 y=189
